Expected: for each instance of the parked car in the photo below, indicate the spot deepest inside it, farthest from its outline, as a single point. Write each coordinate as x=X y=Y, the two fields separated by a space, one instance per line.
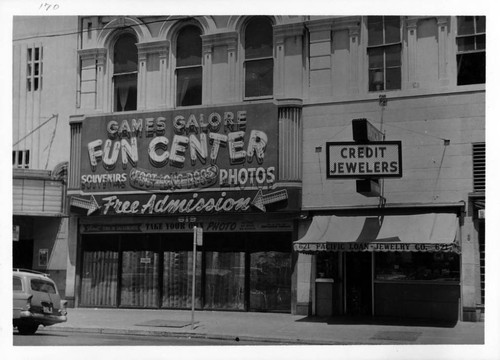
x=36 y=301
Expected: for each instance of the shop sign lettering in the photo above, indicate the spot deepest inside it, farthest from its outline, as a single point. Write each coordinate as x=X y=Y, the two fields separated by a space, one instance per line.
x=175 y=226
x=327 y=246
x=370 y=160
x=167 y=204
x=234 y=146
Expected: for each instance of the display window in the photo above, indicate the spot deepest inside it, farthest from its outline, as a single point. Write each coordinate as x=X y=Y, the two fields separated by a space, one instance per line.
x=99 y=274
x=327 y=265
x=139 y=275
x=431 y=266
x=270 y=274
x=244 y=271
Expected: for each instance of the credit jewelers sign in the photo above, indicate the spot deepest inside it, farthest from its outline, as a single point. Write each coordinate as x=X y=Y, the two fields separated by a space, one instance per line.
x=204 y=160
x=374 y=159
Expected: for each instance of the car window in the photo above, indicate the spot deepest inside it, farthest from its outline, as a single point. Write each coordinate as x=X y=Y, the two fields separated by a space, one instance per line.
x=42 y=286
x=17 y=284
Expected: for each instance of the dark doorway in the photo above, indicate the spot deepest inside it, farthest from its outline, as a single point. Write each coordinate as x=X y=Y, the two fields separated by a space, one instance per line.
x=22 y=254
x=358 y=281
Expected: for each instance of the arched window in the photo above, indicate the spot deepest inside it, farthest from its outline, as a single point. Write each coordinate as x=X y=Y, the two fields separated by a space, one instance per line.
x=258 y=57
x=125 y=73
x=188 y=66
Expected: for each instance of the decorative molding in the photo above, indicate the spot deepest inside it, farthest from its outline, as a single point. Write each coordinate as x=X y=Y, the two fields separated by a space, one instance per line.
x=76 y=119
x=351 y=23
x=94 y=53
x=288 y=30
x=229 y=38
x=60 y=172
x=411 y=24
x=443 y=22
x=153 y=47
x=289 y=102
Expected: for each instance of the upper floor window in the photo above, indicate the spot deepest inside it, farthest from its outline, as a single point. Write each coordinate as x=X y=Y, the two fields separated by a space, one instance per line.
x=384 y=53
x=189 y=70
x=125 y=73
x=471 y=46
x=21 y=159
x=258 y=57
x=34 y=69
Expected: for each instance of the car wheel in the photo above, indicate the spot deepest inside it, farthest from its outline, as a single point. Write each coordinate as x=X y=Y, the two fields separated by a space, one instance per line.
x=27 y=329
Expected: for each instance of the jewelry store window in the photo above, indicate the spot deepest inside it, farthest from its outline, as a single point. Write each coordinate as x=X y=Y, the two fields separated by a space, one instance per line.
x=412 y=266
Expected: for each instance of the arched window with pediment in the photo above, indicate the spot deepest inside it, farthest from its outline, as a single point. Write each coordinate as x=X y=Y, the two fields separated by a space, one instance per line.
x=188 y=67
x=125 y=61
x=258 y=59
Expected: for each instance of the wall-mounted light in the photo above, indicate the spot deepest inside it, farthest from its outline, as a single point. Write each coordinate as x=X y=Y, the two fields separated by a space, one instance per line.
x=318 y=149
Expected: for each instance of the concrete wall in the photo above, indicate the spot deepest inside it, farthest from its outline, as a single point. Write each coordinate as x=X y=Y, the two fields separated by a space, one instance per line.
x=433 y=171
x=55 y=101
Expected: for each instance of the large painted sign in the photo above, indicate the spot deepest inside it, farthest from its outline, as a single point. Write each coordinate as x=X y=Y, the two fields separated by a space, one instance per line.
x=204 y=160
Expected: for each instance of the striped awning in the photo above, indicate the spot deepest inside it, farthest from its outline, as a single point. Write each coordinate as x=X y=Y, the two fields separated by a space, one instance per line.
x=419 y=232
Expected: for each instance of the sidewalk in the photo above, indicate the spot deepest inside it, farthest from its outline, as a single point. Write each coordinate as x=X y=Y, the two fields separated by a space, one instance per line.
x=267 y=327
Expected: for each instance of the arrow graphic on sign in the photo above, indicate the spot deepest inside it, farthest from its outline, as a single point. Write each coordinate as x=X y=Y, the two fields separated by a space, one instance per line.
x=260 y=201
x=90 y=205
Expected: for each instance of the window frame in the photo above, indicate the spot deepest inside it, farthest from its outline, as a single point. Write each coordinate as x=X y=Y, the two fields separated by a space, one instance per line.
x=122 y=75
x=34 y=81
x=246 y=61
x=460 y=54
x=384 y=46
x=21 y=159
x=181 y=68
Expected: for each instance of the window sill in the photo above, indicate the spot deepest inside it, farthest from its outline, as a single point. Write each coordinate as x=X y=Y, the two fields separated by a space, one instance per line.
x=258 y=98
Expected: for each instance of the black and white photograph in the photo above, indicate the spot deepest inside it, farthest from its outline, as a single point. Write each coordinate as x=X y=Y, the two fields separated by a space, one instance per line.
x=212 y=182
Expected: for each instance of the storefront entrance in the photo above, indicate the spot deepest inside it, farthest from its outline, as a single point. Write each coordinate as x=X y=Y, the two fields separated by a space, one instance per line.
x=358 y=283
x=247 y=272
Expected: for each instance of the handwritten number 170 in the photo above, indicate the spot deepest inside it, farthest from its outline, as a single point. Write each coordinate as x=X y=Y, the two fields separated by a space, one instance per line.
x=48 y=7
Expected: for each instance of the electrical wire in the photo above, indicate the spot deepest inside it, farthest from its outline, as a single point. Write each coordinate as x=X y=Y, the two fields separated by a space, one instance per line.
x=102 y=28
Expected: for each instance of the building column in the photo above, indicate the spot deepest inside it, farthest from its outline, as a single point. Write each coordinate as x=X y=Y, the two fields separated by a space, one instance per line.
x=215 y=45
x=151 y=89
x=411 y=26
x=443 y=23
x=207 y=74
x=354 y=66
x=232 y=60
x=163 y=74
x=72 y=278
x=92 y=70
x=289 y=63
x=101 y=78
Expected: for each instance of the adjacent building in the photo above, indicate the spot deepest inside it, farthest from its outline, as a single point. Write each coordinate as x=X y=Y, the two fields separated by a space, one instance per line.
x=334 y=164
x=44 y=73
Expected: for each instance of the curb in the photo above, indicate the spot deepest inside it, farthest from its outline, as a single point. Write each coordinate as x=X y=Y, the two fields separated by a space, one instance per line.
x=137 y=332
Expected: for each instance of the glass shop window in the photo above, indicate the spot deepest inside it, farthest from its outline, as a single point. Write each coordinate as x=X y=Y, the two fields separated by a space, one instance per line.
x=431 y=266
x=189 y=70
x=258 y=62
x=471 y=50
x=327 y=266
x=384 y=53
x=125 y=73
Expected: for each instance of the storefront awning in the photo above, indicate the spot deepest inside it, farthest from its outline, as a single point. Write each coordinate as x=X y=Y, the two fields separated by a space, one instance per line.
x=421 y=232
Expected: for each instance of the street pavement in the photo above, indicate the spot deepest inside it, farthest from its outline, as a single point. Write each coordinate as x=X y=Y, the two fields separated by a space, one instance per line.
x=269 y=327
